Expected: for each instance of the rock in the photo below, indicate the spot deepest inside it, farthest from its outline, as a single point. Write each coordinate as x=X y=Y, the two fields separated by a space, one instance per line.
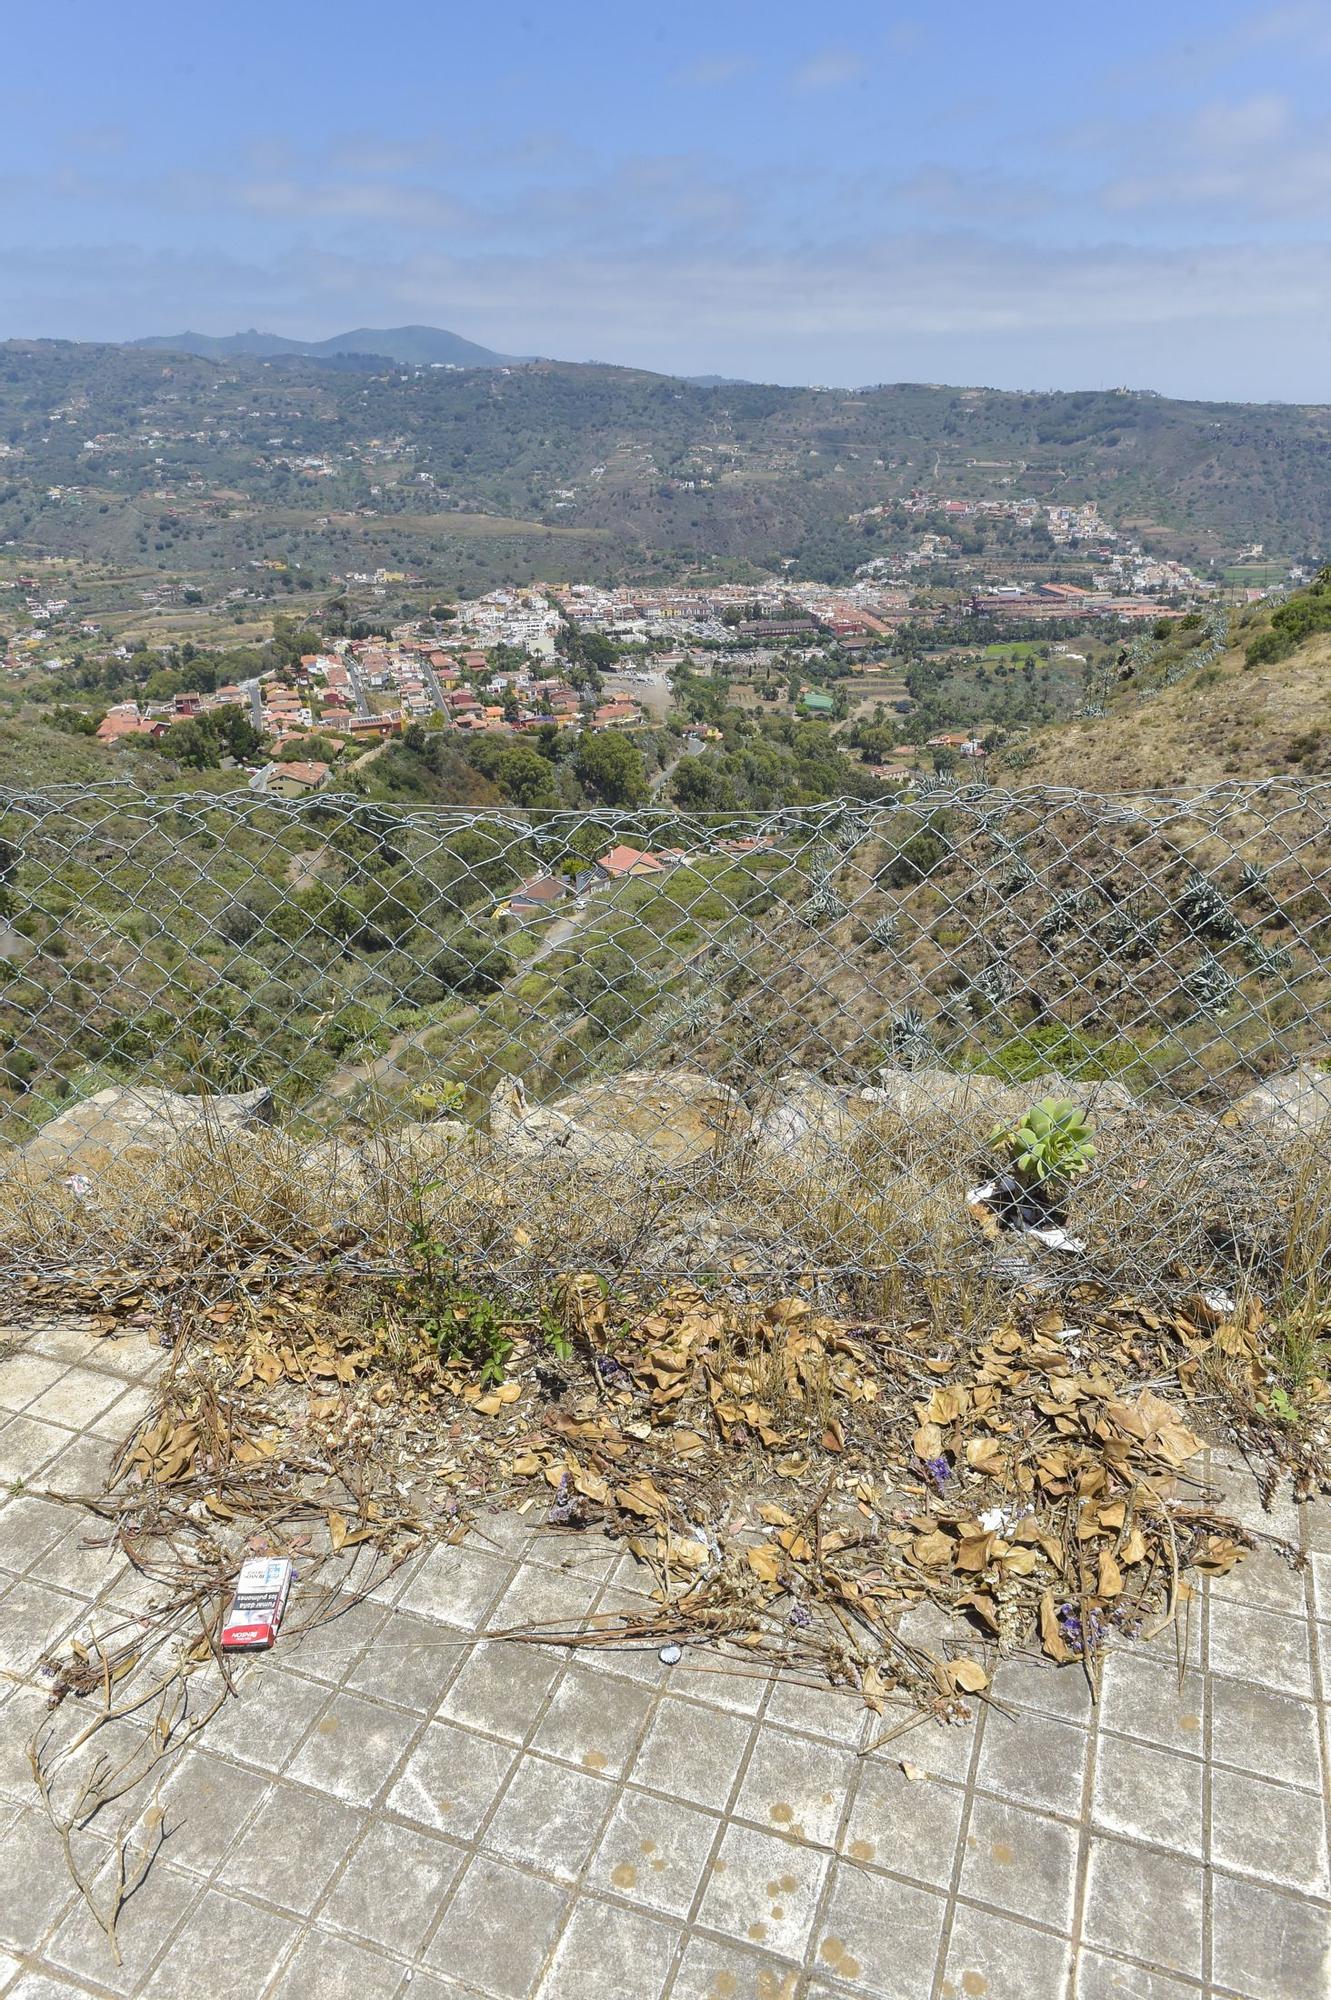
x=532 y=1132
x=807 y=1113
x=677 y=1116
x=811 y=1114
x=129 y=1122
x=1299 y=1102
x=667 y=1117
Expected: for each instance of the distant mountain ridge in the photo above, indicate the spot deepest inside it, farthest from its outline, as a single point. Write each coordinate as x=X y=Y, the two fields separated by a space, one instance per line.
x=414 y=346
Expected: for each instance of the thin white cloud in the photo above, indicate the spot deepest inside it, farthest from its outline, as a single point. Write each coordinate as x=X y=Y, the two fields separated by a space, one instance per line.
x=713 y=72
x=829 y=69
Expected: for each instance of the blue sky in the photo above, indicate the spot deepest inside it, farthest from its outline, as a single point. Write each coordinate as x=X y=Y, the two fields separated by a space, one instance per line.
x=1029 y=197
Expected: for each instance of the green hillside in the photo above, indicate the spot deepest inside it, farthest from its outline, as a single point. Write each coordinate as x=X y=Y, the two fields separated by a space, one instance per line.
x=198 y=466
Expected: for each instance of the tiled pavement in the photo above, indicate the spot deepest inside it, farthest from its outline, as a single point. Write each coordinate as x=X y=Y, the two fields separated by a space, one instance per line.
x=399 y=1805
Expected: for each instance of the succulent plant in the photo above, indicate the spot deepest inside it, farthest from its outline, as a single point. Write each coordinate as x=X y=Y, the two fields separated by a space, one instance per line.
x=1210 y=985
x=1049 y=1145
x=909 y=1042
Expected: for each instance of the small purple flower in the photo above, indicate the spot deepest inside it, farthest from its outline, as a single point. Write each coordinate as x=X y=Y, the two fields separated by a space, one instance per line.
x=610 y=1371
x=800 y=1617
x=1082 y=1638
x=936 y=1469
x=565 y=1508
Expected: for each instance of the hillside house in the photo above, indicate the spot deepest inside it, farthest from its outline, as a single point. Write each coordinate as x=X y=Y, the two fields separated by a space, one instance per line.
x=619 y=864
x=294 y=780
x=542 y=893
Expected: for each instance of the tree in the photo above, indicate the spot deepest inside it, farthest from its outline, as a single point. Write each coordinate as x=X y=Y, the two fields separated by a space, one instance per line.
x=526 y=777
x=612 y=769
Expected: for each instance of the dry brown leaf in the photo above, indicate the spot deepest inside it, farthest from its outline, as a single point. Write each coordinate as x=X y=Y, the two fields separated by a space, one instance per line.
x=1051 y=1636
x=1110 y=1580
x=960 y=1676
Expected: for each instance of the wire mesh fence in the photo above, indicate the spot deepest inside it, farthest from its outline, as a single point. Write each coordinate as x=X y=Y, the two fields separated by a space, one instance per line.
x=781 y=1047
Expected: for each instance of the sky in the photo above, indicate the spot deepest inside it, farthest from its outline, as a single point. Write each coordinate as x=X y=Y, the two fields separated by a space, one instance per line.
x=1039 y=196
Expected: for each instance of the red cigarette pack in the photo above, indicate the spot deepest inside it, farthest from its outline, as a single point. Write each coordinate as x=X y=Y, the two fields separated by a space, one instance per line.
x=255 y=1612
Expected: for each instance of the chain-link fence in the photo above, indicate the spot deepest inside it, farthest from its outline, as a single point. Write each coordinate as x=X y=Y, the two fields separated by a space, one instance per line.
x=764 y=1048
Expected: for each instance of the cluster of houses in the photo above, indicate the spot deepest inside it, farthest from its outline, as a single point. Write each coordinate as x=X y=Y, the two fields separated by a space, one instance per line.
x=620 y=863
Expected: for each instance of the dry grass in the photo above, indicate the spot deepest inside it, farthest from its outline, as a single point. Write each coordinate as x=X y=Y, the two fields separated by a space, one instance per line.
x=877 y=1209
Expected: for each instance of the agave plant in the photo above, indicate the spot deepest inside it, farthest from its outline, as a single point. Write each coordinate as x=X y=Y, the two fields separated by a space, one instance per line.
x=1268 y=961
x=992 y=983
x=1210 y=985
x=1068 y=911
x=909 y=1041
x=882 y=933
x=1203 y=909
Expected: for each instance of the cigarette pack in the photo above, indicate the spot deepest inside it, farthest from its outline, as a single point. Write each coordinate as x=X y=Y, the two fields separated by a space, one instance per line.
x=256 y=1609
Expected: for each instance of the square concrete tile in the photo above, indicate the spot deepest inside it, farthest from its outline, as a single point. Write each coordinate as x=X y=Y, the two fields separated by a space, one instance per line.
x=1033 y=1760
x=796 y=1786
x=121 y=1418
x=24 y=1377
x=877 y=1936
x=713 y=1969
x=594 y=1720
x=1013 y=1961
x=32 y=1619
x=410 y=1662
x=328 y=1651
x=27 y=1448
x=146 y=1921
x=354 y=1748
x=654 y=1852
x=550 y=1817
x=499 y=1930
x=1102 y=1978
x=1020 y=1861
x=29 y=1529
x=692 y=1752
x=77 y=1399
x=206 y=1802
x=1266 y=1581
x=1269 y=1830
x=66 y=1340
x=81 y=1467
x=607 y=1950
x=86 y=1563
x=333 y=1968
x=25 y=1710
x=1148 y=1793
x=394 y=1886
x=451 y=1780
x=1050 y=1690
x=539 y=1596
x=763 y=1890
x=1252 y=1645
x=1153 y=1901
x=456 y=1586
x=223 y=1933
x=34 y=1881
x=267 y=1718
x=909 y=1828
x=1267 y=1945
x=1140 y=1696
x=836 y=1713
x=704 y=1676
x=1271 y=1735
x=501 y=1688
x=291 y=1849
